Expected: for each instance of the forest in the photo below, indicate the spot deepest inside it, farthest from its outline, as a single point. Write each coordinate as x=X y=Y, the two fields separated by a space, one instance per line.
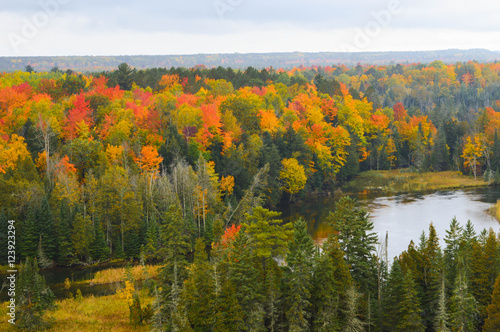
x=185 y=167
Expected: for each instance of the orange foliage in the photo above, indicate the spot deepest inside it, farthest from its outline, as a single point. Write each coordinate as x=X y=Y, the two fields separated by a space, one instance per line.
x=149 y=160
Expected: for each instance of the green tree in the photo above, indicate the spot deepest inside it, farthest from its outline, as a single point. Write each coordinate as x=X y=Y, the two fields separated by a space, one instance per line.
x=409 y=311
x=357 y=241
x=268 y=235
x=492 y=322
x=299 y=277
x=330 y=284
x=247 y=282
x=33 y=298
x=125 y=76
x=463 y=306
x=199 y=291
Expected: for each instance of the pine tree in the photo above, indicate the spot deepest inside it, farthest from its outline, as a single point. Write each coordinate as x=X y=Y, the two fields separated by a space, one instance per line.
x=353 y=322
x=29 y=235
x=330 y=284
x=428 y=278
x=441 y=320
x=393 y=296
x=463 y=306
x=64 y=226
x=46 y=229
x=492 y=323
x=409 y=312
x=451 y=251
x=33 y=298
x=299 y=277
x=199 y=291
x=3 y=237
x=247 y=282
x=357 y=240
x=98 y=249
x=169 y=311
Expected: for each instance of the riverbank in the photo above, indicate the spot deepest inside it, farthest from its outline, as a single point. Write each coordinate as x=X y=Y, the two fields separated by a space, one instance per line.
x=405 y=181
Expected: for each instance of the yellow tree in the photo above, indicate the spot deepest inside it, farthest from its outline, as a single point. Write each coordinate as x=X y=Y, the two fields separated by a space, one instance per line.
x=293 y=176
x=473 y=150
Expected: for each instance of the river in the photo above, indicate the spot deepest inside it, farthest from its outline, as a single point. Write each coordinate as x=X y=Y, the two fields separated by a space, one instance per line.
x=405 y=216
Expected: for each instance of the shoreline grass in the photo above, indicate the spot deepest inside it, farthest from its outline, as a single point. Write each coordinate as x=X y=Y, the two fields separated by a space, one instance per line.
x=403 y=180
x=103 y=313
x=118 y=274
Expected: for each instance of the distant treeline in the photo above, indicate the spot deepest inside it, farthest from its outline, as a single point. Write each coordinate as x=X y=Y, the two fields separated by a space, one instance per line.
x=286 y=60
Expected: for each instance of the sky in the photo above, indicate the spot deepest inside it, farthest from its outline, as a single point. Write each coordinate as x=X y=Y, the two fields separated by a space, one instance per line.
x=126 y=27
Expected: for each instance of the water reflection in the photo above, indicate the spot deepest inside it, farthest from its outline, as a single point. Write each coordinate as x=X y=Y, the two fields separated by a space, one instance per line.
x=406 y=216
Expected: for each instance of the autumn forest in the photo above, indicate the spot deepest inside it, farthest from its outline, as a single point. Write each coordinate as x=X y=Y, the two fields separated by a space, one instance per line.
x=185 y=168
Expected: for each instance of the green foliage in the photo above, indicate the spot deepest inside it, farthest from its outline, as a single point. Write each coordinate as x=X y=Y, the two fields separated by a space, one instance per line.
x=356 y=240
x=33 y=298
x=268 y=235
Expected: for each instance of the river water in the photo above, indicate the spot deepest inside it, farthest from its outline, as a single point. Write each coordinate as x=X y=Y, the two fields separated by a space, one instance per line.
x=404 y=217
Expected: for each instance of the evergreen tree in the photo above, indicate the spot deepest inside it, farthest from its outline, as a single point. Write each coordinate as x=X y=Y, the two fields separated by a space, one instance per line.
x=441 y=320
x=463 y=306
x=46 y=229
x=330 y=284
x=409 y=312
x=64 y=226
x=492 y=323
x=357 y=240
x=353 y=322
x=268 y=236
x=247 y=283
x=393 y=296
x=299 y=277
x=169 y=311
x=199 y=291
x=451 y=251
x=3 y=237
x=29 y=238
x=98 y=249
x=440 y=152
x=33 y=298
x=428 y=274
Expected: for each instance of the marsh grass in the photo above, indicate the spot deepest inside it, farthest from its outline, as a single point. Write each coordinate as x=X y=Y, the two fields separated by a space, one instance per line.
x=495 y=210
x=396 y=181
x=118 y=274
x=103 y=313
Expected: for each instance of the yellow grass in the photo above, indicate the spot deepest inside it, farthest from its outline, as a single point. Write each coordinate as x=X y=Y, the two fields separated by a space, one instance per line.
x=104 y=313
x=495 y=210
x=118 y=274
x=405 y=181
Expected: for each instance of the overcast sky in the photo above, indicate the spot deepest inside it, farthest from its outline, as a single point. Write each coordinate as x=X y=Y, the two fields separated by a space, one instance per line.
x=126 y=27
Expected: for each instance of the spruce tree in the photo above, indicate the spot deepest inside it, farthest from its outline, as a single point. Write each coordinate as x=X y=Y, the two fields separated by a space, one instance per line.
x=199 y=291
x=33 y=298
x=46 y=229
x=463 y=306
x=441 y=320
x=3 y=237
x=409 y=312
x=330 y=284
x=64 y=226
x=393 y=296
x=247 y=282
x=299 y=277
x=492 y=323
x=29 y=236
x=357 y=240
